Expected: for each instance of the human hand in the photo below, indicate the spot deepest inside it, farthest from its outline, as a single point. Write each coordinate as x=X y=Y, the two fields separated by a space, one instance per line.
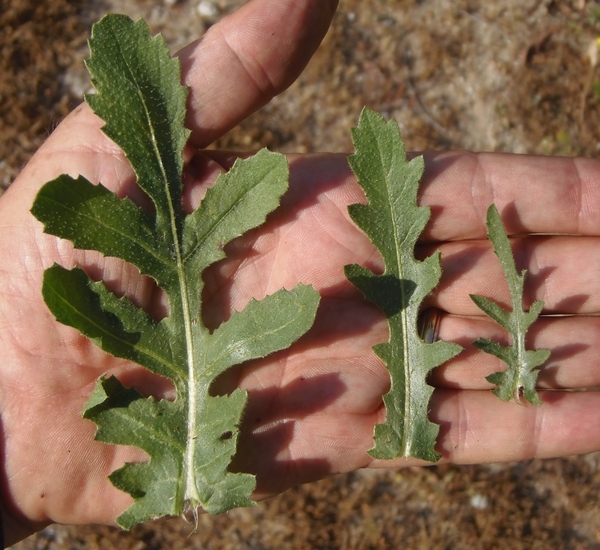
x=53 y=470
x=311 y=409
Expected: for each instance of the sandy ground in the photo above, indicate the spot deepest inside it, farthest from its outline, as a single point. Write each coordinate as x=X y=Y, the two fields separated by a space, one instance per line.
x=515 y=76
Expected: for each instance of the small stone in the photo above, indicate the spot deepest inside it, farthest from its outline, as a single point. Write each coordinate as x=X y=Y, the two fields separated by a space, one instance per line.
x=207 y=9
x=479 y=502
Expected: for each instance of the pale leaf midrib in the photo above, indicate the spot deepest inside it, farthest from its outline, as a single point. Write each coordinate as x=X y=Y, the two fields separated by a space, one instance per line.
x=519 y=332
x=403 y=312
x=188 y=472
x=501 y=243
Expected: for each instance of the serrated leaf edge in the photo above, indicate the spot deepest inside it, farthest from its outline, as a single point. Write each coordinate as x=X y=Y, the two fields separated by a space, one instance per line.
x=522 y=365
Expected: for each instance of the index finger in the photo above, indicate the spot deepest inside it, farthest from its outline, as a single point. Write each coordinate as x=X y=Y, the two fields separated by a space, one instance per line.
x=247 y=59
x=534 y=194
x=240 y=64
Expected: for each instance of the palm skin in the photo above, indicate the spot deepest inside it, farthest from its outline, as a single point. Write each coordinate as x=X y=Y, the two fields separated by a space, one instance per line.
x=312 y=408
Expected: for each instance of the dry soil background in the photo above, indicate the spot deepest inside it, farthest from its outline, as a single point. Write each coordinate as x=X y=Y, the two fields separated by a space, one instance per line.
x=511 y=75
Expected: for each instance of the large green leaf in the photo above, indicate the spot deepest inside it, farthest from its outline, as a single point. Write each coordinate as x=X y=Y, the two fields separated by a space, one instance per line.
x=191 y=440
x=393 y=222
x=518 y=381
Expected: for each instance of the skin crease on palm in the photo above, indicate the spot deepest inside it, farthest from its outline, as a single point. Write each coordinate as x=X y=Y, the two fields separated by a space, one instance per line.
x=312 y=408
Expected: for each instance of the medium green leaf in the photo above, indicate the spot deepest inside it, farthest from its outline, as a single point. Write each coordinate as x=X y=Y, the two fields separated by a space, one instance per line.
x=91 y=216
x=237 y=340
x=114 y=324
x=142 y=102
x=191 y=440
x=492 y=309
x=393 y=222
x=519 y=380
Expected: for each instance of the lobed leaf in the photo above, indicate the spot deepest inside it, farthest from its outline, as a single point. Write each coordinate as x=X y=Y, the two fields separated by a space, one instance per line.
x=519 y=380
x=191 y=440
x=393 y=221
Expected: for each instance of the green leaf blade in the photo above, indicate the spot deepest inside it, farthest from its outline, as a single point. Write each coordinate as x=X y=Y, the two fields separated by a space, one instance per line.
x=520 y=378
x=491 y=309
x=216 y=488
x=125 y=417
x=191 y=440
x=239 y=201
x=93 y=218
x=534 y=312
x=504 y=353
x=133 y=418
x=77 y=301
x=394 y=221
x=138 y=82
x=263 y=327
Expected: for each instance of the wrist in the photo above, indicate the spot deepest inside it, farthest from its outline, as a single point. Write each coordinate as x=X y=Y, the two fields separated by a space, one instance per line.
x=14 y=523
x=15 y=527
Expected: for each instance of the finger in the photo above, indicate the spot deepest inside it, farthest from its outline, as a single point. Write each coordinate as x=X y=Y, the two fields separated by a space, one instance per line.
x=533 y=194
x=247 y=59
x=477 y=427
x=331 y=369
x=238 y=66
x=573 y=343
x=308 y=239
x=561 y=271
x=320 y=238
x=311 y=409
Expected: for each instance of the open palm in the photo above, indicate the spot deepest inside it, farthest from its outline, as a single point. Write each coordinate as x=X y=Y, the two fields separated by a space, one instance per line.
x=311 y=408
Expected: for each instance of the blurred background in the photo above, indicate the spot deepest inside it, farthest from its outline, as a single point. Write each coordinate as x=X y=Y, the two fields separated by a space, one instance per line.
x=518 y=76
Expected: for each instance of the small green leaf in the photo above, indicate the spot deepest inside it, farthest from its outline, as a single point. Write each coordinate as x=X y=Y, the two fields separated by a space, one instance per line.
x=394 y=222
x=519 y=380
x=492 y=309
x=191 y=440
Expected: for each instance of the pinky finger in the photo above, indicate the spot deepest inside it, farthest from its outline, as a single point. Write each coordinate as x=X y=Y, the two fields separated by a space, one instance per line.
x=477 y=427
